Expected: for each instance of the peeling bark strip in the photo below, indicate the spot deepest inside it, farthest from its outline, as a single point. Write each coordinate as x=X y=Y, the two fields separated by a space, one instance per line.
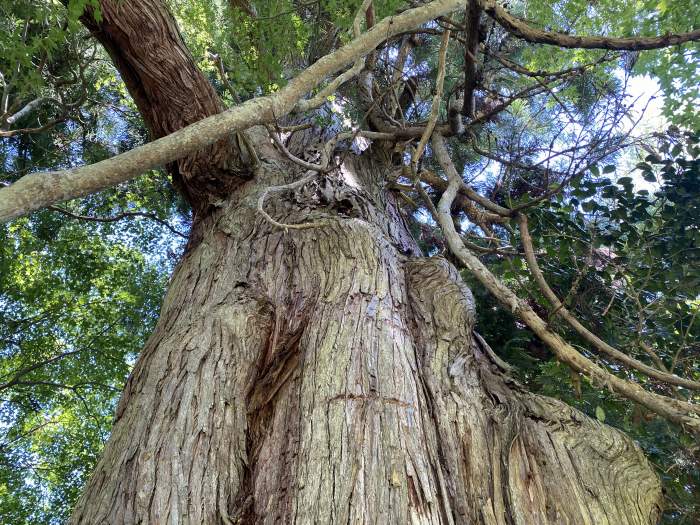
x=170 y=91
x=38 y=190
x=322 y=376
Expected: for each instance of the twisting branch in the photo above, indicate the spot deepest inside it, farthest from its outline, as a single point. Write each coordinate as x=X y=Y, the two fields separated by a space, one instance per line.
x=15 y=112
x=467 y=194
x=562 y=311
x=522 y=29
x=288 y=187
x=513 y=66
x=315 y=169
x=296 y=160
x=119 y=217
x=435 y=108
x=38 y=190
x=27 y=131
x=676 y=411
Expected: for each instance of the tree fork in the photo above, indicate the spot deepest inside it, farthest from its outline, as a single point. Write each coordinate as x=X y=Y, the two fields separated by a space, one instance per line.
x=145 y=45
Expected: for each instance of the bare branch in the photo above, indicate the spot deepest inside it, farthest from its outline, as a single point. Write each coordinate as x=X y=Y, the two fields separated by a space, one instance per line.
x=435 y=108
x=443 y=158
x=563 y=312
x=676 y=411
x=296 y=160
x=27 y=131
x=466 y=197
x=26 y=110
x=524 y=30
x=119 y=217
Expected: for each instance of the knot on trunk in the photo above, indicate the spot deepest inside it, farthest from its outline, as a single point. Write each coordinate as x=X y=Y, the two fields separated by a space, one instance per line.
x=333 y=193
x=440 y=296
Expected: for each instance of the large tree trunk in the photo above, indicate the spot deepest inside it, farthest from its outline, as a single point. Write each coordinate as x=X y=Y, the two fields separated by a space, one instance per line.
x=331 y=375
x=325 y=375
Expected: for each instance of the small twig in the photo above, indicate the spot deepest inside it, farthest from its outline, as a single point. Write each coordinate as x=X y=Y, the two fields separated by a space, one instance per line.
x=118 y=217
x=288 y=187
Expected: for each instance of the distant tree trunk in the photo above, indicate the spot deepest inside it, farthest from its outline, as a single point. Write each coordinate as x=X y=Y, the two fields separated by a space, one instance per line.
x=326 y=375
x=330 y=375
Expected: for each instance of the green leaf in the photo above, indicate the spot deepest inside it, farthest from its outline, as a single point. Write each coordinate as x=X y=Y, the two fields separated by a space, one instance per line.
x=600 y=414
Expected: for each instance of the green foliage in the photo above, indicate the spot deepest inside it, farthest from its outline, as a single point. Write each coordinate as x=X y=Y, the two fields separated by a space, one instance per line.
x=43 y=51
x=623 y=252
x=675 y=68
x=77 y=299
x=75 y=308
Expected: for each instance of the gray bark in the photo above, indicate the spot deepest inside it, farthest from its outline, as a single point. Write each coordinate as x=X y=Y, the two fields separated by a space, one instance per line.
x=331 y=375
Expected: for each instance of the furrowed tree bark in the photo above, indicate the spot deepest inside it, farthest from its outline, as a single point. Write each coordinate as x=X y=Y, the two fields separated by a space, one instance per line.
x=331 y=375
x=39 y=190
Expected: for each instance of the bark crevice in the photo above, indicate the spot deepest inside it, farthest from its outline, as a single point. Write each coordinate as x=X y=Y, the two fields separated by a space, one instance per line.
x=324 y=376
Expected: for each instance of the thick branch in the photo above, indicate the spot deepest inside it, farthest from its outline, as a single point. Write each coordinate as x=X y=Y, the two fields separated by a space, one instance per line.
x=465 y=198
x=522 y=29
x=145 y=44
x=38 y=190
x=26 y=110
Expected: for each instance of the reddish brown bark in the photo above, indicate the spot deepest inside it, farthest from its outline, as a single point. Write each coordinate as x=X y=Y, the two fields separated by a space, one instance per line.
x=170 y=91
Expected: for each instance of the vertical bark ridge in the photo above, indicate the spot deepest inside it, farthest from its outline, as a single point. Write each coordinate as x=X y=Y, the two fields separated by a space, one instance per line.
x=556 y=465
x=177 y=453
x=324 y=376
